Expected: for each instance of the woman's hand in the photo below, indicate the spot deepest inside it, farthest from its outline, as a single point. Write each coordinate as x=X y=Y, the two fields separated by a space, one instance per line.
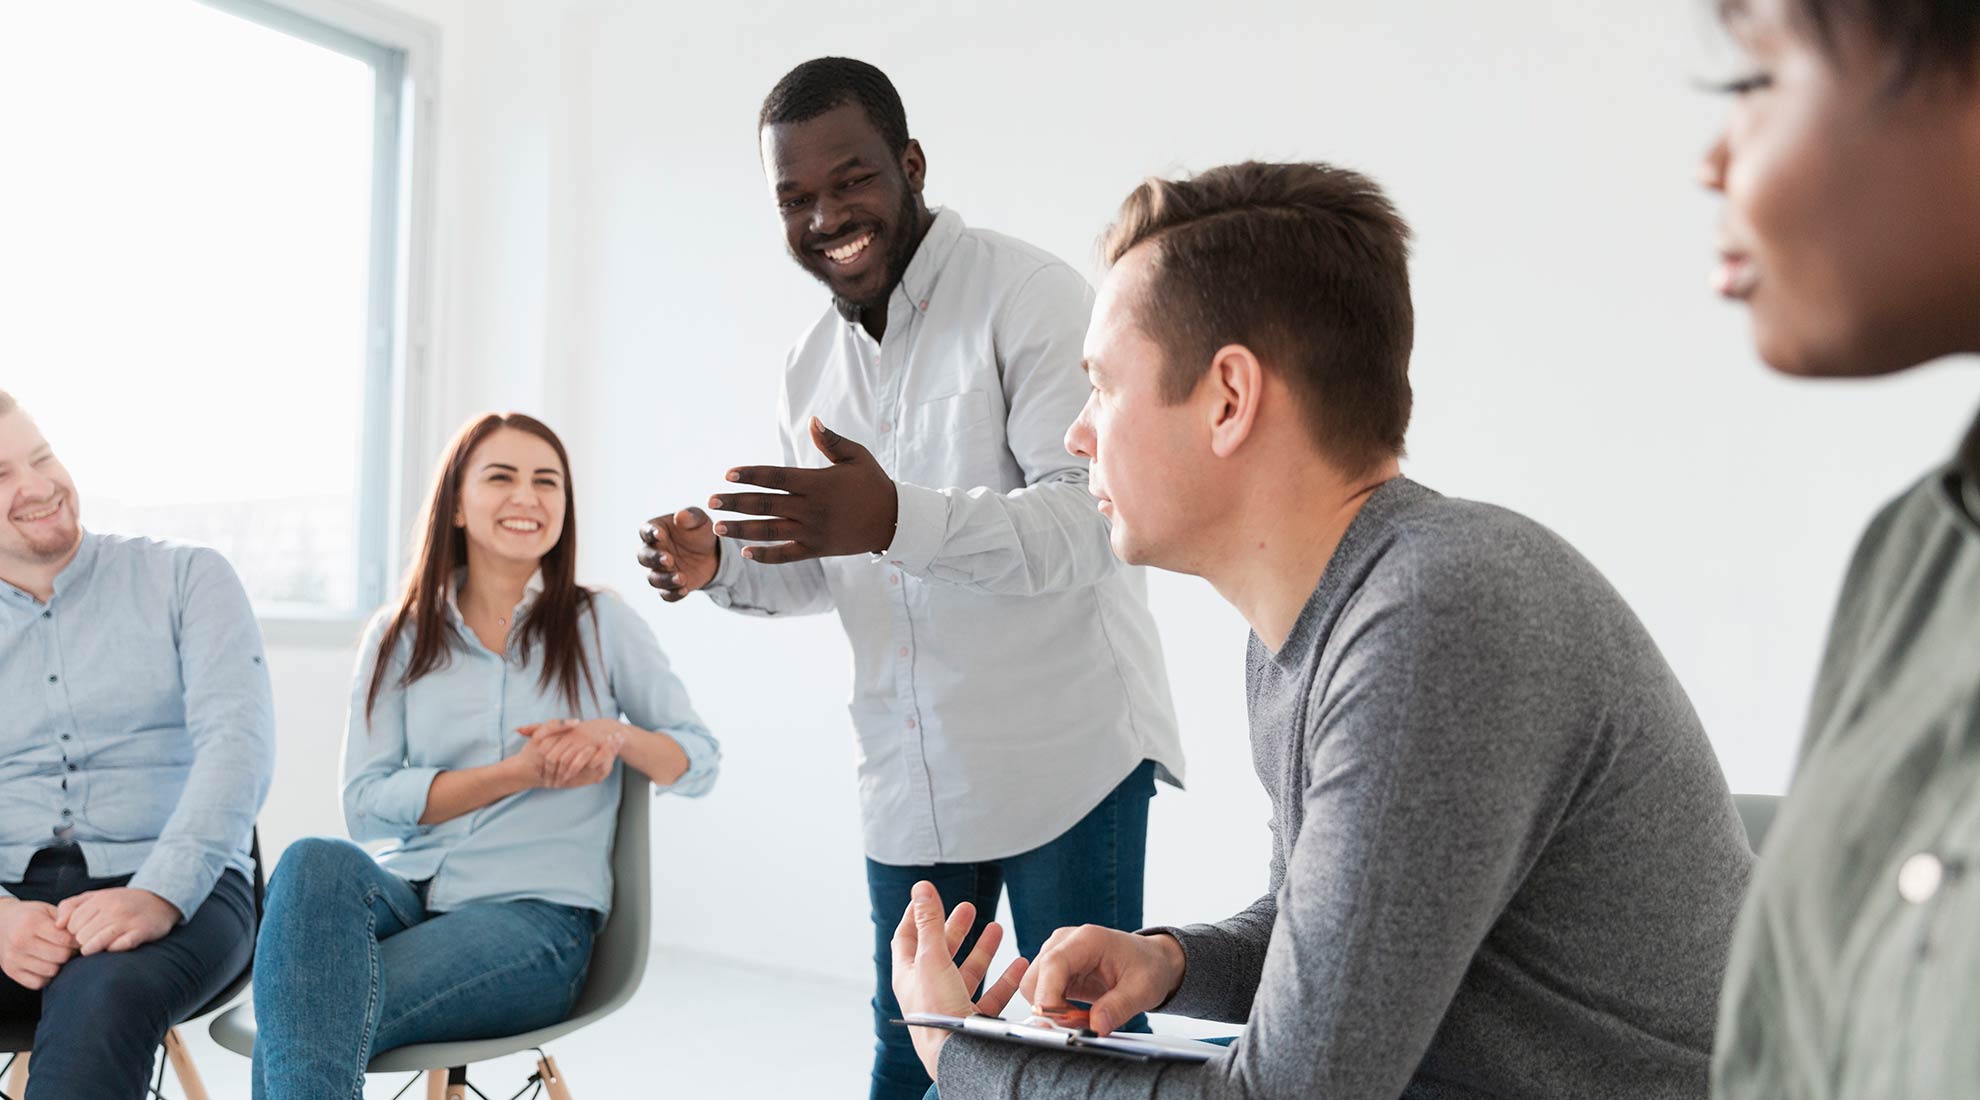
x=566 y=752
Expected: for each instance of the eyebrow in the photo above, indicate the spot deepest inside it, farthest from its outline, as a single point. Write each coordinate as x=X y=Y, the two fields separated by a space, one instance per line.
x=505 y=466
x=854 y=161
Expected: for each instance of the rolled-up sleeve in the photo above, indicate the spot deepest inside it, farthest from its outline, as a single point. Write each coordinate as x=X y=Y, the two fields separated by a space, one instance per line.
x=230 y=718
x=652 y=697
x=384 y=794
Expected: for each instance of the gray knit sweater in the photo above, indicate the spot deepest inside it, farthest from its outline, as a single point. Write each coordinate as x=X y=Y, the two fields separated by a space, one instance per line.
x=1504 y=860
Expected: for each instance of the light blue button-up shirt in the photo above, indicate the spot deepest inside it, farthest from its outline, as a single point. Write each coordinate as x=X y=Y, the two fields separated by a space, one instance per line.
x=138 y=717
x=551 y=845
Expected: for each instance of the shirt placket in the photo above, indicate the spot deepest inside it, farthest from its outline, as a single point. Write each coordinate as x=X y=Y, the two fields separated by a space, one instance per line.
x=68 y=743
x=890 y=381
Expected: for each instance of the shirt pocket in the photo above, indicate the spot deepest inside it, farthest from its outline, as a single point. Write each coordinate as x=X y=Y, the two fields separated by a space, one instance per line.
x=954 y=440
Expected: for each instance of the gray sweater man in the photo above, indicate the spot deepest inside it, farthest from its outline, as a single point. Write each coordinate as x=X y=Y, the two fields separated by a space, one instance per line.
x=1504 y=860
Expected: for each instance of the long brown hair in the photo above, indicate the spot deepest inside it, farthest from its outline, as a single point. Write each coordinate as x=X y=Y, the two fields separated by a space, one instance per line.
x=552 y=620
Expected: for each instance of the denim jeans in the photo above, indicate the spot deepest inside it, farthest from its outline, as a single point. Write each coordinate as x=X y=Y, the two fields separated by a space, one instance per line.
x=1090 y=874
x=351 y=963
x=103 y=1016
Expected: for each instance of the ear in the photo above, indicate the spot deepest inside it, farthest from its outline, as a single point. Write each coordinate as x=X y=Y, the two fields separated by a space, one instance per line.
x=1236 y=387
x=914 y=165
x=460 y=519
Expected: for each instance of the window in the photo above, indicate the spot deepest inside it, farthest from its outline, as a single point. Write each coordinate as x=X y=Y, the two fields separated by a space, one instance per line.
x=204 y=240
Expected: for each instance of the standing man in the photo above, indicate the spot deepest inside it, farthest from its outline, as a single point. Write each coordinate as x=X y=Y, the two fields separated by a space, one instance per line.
x=1009 y=694
x=138 y=745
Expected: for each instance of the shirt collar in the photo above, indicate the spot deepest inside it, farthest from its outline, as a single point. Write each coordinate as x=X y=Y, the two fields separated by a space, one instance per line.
x=531 y=589
x=72 y=574
x=1966 y=470
x=930 y=257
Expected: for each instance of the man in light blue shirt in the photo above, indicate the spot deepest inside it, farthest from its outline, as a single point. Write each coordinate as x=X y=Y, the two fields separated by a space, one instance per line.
x=138 y=747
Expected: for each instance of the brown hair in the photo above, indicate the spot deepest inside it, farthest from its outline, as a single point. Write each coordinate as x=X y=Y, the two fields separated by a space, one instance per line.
x=1307 y=265
x=552 y=620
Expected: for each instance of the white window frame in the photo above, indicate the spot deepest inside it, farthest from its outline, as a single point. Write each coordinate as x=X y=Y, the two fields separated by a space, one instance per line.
x=403 y=53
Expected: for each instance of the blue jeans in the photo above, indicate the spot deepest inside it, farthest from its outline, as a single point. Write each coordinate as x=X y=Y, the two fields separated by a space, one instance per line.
x=103 y=1016
x=351 y=963
x=1090 y=874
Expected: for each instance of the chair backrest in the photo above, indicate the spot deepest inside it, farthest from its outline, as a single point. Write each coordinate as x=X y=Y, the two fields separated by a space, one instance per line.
x=1756 y=812
x=618 y=957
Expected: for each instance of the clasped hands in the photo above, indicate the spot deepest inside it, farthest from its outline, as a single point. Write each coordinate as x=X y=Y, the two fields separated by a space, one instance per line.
x=848 y=507
x=567 y=752
x=38 y=939
x=1120 y=974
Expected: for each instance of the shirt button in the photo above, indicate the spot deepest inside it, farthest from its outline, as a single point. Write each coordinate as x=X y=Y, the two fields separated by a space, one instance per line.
x=1919 y=878
x=51 y=677
x=48 y=614
x=903 y=651
x=886 y=427
x=893 y=578
x=910 y=723
x=72 y=767
x=66 y=813
x=65 y=737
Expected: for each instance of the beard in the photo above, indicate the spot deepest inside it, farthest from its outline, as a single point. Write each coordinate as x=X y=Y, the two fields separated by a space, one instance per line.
x=903 y=240
x=57 y=542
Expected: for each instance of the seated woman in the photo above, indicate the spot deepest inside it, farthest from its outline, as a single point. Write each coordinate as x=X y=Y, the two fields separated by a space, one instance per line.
x=484 y=745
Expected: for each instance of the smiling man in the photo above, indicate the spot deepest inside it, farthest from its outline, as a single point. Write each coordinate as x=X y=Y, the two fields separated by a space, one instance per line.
x=138 y=745
x=1009 y=694
x=1503 y=859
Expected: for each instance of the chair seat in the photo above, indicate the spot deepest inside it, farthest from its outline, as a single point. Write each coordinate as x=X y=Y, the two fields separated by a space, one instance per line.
x=234 y=1029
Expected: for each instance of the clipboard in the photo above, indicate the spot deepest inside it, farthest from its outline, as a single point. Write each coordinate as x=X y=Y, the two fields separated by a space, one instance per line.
x=1041 y=1032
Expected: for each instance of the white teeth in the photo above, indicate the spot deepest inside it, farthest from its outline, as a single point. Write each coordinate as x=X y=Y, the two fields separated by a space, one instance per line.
x=845 y=253
x=525 y=525
x=31 y=517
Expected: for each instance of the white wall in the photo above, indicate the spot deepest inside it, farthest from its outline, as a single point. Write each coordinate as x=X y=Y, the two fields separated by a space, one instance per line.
x=614 y=261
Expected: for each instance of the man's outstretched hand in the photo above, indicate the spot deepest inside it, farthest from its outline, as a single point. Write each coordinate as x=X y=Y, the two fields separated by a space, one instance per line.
x=926 y=977
x=849 y=507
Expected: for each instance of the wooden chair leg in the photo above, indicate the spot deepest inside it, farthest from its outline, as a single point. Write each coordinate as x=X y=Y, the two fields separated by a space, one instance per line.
x=17 y=1077
x=447 y=1084
x=553 y=1078
x=183 y=1067
x=436 y=1084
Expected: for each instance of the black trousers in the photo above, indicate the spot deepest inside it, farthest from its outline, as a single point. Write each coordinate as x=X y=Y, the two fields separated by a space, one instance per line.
x=103 y=1017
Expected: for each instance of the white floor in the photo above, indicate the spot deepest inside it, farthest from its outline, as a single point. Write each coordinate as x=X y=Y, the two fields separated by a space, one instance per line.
x=697 y=1029
x=694 y=1030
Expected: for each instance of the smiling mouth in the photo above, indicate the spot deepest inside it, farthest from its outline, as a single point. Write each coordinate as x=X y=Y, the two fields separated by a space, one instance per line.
x=844 y=255
x=520 y=526
x=38 y=513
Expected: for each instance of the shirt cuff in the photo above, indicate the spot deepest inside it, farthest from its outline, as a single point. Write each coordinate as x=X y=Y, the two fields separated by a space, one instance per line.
x=920 y=522
x=399 y=799
x=180 y=877
x=728 y=570
x=704 y=759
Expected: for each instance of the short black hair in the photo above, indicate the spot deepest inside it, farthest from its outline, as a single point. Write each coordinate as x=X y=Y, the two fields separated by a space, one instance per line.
x=1924 y=36
x=819 y=85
